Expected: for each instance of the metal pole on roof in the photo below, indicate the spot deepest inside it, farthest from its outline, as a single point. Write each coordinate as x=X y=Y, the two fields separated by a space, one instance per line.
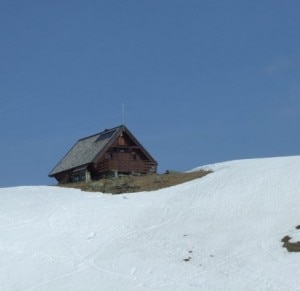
x=123 y=114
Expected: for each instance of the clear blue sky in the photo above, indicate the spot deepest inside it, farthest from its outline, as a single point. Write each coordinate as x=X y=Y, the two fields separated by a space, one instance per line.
x=202 y=81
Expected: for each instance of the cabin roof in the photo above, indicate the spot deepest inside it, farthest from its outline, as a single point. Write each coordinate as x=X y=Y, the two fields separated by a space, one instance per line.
x=85 y=150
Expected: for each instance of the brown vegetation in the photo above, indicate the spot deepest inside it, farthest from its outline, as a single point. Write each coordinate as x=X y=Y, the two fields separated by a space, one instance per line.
x=129 y=184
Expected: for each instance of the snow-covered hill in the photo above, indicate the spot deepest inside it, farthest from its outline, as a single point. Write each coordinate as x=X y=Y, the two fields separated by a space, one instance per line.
x=221 y=232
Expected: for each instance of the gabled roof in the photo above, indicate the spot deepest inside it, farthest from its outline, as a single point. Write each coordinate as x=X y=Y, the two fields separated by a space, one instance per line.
x=90 y=148
x=85 y=150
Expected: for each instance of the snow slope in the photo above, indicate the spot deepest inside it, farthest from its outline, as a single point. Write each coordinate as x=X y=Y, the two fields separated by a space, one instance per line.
x=221 y=232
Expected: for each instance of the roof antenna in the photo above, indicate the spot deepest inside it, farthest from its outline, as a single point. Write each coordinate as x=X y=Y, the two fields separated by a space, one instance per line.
x=123 y=114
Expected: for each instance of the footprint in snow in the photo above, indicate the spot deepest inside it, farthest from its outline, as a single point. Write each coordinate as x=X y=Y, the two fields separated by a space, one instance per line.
x=91 y=235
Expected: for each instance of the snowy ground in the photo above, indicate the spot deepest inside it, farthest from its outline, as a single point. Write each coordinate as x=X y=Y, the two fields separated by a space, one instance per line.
x=221 y=232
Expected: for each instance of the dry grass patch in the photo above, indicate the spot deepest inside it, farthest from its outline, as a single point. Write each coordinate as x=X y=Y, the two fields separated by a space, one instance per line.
x=129 y=184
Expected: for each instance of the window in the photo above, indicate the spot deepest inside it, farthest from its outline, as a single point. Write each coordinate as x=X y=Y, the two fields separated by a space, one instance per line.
x=133 y=156
x=109 y=156
x=121 y=140
x=78 y=176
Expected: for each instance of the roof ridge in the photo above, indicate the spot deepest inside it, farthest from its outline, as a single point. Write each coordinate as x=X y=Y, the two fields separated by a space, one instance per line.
x=102 y=132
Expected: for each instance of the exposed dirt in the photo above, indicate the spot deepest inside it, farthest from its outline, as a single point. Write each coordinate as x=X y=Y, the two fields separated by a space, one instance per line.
x=290 y=246
x=129 y=184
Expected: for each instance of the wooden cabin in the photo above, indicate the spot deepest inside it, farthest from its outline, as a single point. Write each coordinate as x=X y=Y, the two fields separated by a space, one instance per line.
x=111 y=152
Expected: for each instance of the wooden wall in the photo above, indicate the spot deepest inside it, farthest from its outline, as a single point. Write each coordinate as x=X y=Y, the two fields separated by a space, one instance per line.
x=125 y=157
